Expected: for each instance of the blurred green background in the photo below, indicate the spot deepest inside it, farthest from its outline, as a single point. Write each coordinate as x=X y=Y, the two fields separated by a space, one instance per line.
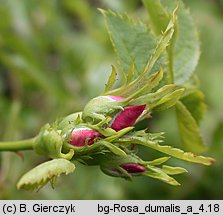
x=56 y=55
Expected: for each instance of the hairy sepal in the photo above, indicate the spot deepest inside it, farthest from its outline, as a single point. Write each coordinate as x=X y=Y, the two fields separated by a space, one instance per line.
x=50 y=142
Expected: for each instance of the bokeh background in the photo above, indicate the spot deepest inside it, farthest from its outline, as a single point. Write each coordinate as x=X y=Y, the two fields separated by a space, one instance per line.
x=56 y=55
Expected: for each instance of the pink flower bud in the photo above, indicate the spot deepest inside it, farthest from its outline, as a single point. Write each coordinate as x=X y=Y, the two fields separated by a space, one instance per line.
x=79 y=136
x=133 y=168
x=126 y=117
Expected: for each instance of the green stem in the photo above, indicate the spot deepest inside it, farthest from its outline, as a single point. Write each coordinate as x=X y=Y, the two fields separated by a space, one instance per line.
x=17 y=145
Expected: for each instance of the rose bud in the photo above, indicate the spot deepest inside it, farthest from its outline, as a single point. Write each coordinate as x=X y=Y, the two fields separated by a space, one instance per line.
x=126 y=117
x=81 y=136
x=133 y=168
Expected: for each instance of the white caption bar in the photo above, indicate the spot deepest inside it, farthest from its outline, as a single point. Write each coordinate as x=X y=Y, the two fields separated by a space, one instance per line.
x=111 y=207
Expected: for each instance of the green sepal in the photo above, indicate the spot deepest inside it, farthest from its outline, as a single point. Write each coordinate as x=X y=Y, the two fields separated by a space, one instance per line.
x=152 y=98
x=130 y=74
x=99 y=147
x=173 y=170
x=103 y=128
x=162 y=99
x=118 y=134
x=39 y=176
x=157 y=173
x=116 y=172
x=69 y=120
x=137 y=89
x=158 y=161
x=50 y=142
x=99 y=108
x=140 y=86
x=110 y=164
x=111 y=80
x=169 y=150
x=168 y=100
x=113 y=148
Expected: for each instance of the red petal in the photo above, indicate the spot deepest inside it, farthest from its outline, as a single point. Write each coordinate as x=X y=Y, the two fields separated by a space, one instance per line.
x=127 y=117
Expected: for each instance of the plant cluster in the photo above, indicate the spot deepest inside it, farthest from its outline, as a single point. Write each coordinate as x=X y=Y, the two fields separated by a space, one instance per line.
x=156 y=65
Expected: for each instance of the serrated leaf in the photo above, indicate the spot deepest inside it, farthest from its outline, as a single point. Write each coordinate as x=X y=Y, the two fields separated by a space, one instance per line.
x=111 y=80
x=184 y=50
x=157 y=173
x=189 y=130
x=183 y=54
x=173 y=170
x=132 y=41
x=194 y=101
x=162 y=44
x=39 y=176
x=187 y=47
x=141 y=82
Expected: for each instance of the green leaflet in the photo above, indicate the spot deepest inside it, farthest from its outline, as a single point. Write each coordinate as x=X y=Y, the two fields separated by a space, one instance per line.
x=184 y=49
x=118 y=134
x=173 y=170
x=189 y=130
x=142 y=82
x=132 y=41
x=194 y=101
x=158 y=15
x=39 y=176
x=183 y=54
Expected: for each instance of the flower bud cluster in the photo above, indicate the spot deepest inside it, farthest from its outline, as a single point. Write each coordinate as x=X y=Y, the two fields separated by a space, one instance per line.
x=123 y=118
x=103 y=133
